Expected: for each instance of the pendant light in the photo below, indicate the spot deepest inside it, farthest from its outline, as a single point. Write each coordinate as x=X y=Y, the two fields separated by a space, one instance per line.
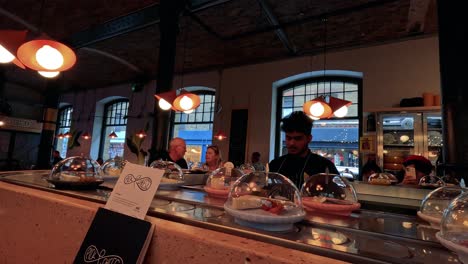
x=10 y=40
x=113 y=135
x=141 y=134
x=60 y=136
x=67 y=134
x=325 y=106
x=166 y=99
x=86 y=135
x=186 y=101
x=46 y=55
x=220 y=135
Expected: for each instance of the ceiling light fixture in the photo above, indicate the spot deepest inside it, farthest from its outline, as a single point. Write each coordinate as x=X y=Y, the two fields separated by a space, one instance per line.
x=86 y=136
x=220 y=135
x=166 y=99
x=325 y=106
x=46 y=55
x=10 y=40
x=141 y=134
x=113 y=135
x=49 y=74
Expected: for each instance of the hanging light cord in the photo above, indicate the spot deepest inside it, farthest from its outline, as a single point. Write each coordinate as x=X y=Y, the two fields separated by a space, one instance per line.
x=324 y=45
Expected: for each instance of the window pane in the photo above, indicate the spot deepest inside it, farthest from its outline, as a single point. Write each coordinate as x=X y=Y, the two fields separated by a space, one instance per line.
x=337 y=87
x=287 y=101
x=352 y=111
x=198 y=117
x=351 y=87
x=352 y=96
x=299 y=90
x=298 y=101
x=288 y=92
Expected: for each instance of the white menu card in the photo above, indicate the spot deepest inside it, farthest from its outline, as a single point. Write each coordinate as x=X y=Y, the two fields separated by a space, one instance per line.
x=134 y=190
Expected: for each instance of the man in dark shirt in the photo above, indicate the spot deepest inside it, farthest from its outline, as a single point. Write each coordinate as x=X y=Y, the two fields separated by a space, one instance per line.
x=177 y=149
x=300 y=163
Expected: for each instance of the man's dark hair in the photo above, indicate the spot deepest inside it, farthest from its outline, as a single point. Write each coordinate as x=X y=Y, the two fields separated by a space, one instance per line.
x=256 y=154
x=297 y=121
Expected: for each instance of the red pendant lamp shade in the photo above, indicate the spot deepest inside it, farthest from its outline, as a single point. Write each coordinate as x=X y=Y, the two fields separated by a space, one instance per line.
x=141 y=134
x=11 y=40
x=186 y=101
x=113 y=135
x=86 y=136
x=220 y=135
x=27 y=54
x=167 y=97
x=339 y=106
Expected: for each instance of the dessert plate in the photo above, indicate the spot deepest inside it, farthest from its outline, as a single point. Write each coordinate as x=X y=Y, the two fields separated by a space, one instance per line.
x=75 y=184
x=338 y=209
x=434 y=221
x=261 y=219
x=461 y=250
x=217 y=193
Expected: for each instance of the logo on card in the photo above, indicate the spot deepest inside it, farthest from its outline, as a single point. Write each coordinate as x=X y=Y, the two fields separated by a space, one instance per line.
x=144 y=183
x=93 y=255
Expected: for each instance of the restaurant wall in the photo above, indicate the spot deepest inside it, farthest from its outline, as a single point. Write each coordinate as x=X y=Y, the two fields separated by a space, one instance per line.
x=390 y=72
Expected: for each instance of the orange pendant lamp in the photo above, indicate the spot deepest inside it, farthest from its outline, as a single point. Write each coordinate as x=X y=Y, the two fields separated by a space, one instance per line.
x=46 y=55
x=186 y=101
x=220 y=135
x=113 y=135
x=86 y=136
x=166 y=99
x=141 y=134
x=10 y=40
x=317 y=108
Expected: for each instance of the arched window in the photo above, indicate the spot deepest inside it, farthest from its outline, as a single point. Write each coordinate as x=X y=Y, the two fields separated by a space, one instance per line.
x=115 y=123
x=64 y=121
x=196 y=128
x=336 y=138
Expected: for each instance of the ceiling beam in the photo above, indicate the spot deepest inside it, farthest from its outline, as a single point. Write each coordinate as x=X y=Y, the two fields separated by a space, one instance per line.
x=417 y=15
x=271 y=17
x=142 y=18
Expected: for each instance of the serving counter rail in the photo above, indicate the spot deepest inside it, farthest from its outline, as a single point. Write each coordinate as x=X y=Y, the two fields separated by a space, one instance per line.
x=364 y=237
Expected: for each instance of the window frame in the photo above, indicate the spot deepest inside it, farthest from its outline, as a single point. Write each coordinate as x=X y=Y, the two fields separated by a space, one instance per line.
x=327 y=78
x=104 y=121
x=63 y=112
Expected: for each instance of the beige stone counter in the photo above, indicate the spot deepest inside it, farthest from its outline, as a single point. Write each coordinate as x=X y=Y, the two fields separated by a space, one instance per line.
x=43 y=227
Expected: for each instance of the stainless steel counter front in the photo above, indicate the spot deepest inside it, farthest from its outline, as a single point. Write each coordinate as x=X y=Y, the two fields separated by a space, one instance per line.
x=364 y=237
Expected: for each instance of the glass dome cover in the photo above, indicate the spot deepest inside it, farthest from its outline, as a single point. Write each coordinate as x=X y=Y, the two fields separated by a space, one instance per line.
x=435 y=202
x=219 y=182
x=431 y=182
x=329 y=193
x=173 y=176
x=454 y=226
x=267 y=201
x=382 y=178
x=113 y=167
x=246 y=168
x=76 y=171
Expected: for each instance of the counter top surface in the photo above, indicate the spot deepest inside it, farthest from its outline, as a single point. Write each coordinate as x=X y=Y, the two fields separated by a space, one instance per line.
x=369 y=236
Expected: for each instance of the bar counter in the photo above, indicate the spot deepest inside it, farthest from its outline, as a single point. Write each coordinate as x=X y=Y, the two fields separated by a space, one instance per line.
x=41 y=221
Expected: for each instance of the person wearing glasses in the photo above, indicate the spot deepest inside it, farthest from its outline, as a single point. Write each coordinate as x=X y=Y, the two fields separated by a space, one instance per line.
x=212 y=158
x=176 y=153
x=300 y=163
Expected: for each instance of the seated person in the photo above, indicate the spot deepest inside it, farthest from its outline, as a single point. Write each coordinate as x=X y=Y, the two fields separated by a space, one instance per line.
x=255 y=159
x=300 y=162
x=213 y=158
x=416 y=167
x=177 y=149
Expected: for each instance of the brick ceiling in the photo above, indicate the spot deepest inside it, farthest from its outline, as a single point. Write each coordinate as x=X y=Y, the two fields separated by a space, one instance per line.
x=217 y=33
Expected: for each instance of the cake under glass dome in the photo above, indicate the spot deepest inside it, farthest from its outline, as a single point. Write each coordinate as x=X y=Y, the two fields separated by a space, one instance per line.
x=219 y=182
x=433 y=205
x=173 y=176
x=454 y=227
x=267 y=201
x=112 y=168
x=330 y=194
x=76 y=172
